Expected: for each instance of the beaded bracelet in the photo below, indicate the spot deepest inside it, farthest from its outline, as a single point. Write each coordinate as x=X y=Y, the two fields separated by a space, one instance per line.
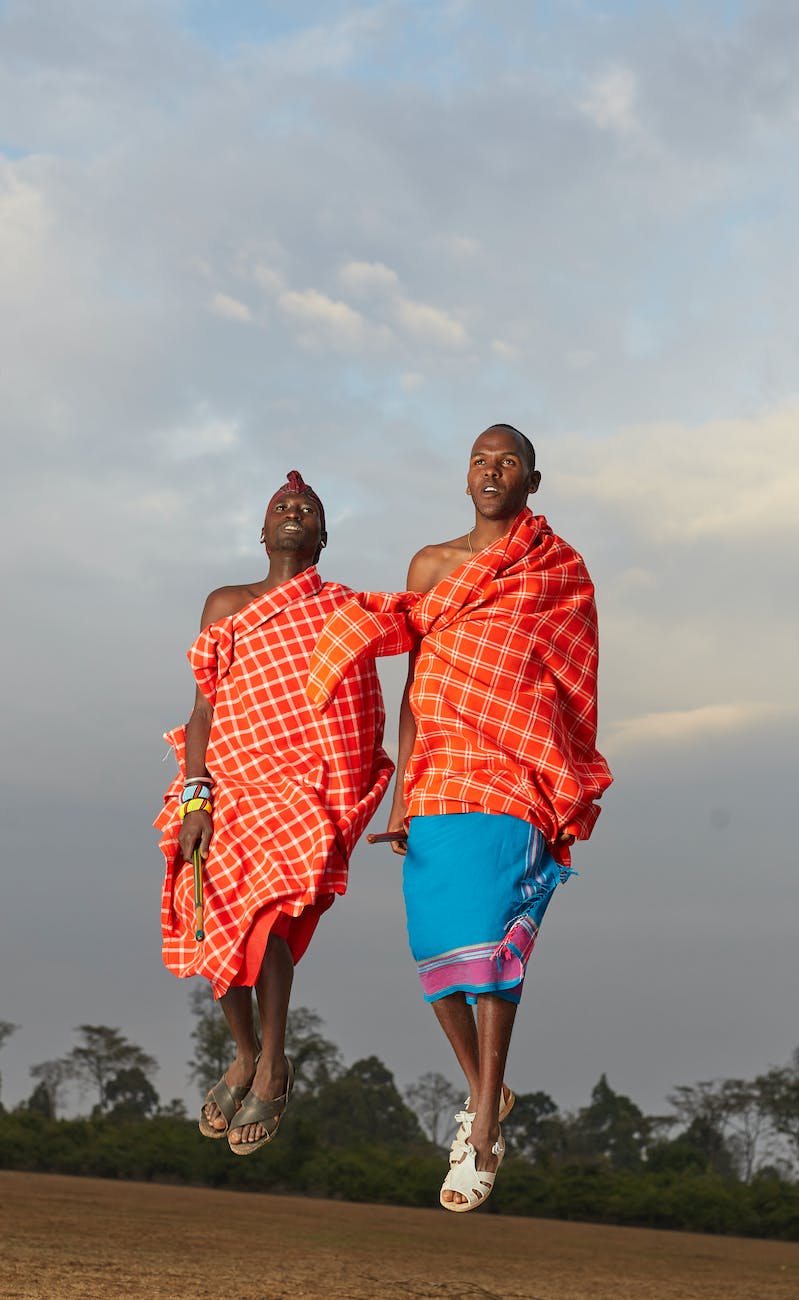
x=195 y=789
x=195 y=805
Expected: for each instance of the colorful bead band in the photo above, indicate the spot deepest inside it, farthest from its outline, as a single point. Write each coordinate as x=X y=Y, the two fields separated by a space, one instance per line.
x=195 y=805
x=195 y=790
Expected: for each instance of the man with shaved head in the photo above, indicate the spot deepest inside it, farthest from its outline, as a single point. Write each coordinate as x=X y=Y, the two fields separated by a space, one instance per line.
x=497 y=772
x=274 y=797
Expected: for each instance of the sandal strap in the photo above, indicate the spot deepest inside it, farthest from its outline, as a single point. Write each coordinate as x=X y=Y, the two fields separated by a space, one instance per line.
x=469 y=1181
x=228 y=1098
x=254 y=1110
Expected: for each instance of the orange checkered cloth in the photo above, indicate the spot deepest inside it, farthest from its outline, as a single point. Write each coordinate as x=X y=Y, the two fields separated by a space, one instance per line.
x=504 y=690
x=293 y=790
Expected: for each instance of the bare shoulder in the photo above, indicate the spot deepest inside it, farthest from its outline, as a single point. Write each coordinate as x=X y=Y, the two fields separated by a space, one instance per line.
x=225 y=601
x=435 y=562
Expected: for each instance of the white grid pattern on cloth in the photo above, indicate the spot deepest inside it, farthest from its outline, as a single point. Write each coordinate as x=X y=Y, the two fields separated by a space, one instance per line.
x=504 y=691
x=293 y=790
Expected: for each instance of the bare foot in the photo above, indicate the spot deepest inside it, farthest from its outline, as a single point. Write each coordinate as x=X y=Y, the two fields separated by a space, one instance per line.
x=486 y=1160
x=268 y=1084
x=238 y=1075
x=503 y=1102
x=507 y=1101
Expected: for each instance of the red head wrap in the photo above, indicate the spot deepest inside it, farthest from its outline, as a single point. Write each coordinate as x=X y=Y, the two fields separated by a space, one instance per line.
x=296 y=485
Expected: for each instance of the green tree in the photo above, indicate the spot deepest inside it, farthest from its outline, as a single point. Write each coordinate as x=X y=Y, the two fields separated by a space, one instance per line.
x=39 y=1103
x=174 y=1109
x=531 y=1129
x=100 y=1055
x=130 y=1095
x=706 y=1138
x=213 y=1045
x=746 y=1120
x=612 y=1126
x=730 y=1116
x=778 y=1093
x=434 y=1100
x=705 y=1111
x=364 y=1106
x=51 y=1078
x=6 y=1030
x=317 y=1061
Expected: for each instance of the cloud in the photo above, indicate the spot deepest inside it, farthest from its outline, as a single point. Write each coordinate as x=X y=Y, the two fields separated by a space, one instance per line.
x=506 y=351
x=267 y=278
x=328 y=47
x=327 y=322
x=23 y=219
x=421 y=322
x=426 y=324
x=324 y=321
x=684 y=483
x=365 y=278
x=688 y=726
x=611 y=101
x=462 y=246
x=230 y=308
x=634 y=579
x=204 y=435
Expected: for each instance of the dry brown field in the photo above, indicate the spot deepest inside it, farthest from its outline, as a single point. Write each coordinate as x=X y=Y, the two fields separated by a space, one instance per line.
x=78 y=1238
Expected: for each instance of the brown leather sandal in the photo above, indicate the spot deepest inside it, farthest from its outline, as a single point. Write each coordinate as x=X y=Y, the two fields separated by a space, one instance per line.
x=229 y=1102
x=256 y=1111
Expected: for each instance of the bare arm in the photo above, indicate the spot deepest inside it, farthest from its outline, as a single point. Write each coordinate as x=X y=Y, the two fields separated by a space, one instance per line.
x=407 y=737
x=424 y=572
x=197 y=827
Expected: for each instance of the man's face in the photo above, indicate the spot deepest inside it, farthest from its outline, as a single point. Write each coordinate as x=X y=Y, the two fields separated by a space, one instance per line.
x=499 y=478
x=292 y=525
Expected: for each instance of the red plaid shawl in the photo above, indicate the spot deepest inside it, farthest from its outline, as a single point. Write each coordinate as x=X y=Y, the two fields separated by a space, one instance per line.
x=293 y=790
x=504 y=692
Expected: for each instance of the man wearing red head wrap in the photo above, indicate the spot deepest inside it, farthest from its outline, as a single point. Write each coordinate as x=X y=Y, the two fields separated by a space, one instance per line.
x=275 y=797
x=295 y=485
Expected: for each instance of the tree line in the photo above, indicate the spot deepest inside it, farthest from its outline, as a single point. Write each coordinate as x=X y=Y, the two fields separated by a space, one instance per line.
x=724 y=1159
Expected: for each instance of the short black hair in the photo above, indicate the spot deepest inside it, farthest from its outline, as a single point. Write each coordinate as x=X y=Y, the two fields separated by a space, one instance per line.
x=526 y=443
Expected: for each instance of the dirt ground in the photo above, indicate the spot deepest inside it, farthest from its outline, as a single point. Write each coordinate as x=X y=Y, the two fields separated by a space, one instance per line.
x=76 y=1238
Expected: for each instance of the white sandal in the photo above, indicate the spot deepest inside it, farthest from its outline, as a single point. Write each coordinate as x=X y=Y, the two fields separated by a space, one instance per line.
x=465 y=1119
x=469 y=1181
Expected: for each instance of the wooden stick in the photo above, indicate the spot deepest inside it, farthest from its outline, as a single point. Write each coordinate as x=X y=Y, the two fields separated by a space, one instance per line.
x=387 y=837
x=197 y=861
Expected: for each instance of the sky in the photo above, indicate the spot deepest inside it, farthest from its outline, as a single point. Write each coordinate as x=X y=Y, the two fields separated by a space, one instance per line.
x=342 y=237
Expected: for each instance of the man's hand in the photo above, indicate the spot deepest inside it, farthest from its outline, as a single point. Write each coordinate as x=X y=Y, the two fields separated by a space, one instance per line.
x=196 y=826
x=396 y=823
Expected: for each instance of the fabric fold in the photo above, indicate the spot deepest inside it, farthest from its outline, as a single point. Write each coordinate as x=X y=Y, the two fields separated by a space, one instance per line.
x=293 y=790
x=504 y=691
